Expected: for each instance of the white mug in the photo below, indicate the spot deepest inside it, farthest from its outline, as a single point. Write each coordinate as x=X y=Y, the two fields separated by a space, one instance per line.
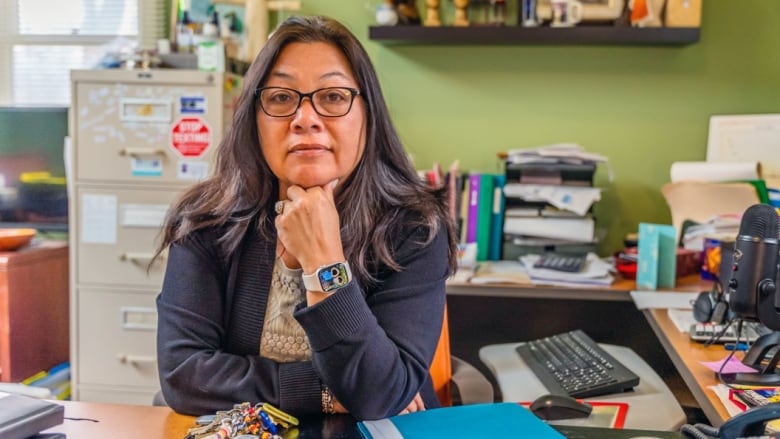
x=565 y=13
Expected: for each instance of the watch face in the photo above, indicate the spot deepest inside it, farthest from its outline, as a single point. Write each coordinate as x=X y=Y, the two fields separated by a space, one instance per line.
x=333 y=277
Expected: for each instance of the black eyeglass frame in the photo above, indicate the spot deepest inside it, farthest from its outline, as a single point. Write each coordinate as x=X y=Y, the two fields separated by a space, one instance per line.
x=353 y=93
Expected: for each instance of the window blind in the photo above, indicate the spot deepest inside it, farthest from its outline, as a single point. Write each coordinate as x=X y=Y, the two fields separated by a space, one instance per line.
x=39 y=47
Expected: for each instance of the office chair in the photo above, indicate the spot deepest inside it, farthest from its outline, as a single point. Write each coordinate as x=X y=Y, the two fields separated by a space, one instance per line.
x=446 y=370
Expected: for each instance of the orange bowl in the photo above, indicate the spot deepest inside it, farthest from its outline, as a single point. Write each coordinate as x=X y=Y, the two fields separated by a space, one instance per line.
x=12 y=239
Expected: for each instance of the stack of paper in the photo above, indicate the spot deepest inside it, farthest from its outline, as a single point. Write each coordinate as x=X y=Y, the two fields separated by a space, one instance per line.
x=595 y=272
x=501 y=272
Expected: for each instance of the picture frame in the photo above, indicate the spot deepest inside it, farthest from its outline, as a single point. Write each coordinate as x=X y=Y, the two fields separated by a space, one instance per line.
x=592 y=10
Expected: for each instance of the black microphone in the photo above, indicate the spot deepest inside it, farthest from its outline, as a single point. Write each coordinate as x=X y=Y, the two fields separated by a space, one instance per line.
x=754 y=270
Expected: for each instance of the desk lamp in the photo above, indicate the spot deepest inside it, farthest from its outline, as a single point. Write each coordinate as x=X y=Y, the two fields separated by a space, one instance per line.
x=752 y=291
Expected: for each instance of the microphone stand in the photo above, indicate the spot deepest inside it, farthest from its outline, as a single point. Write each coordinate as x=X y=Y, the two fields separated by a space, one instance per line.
x=767 y=371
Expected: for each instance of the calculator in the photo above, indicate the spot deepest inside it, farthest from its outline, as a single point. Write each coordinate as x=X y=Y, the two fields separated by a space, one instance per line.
x=560 y=262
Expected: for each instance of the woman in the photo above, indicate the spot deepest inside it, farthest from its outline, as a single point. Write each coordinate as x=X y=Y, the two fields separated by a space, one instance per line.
x=309 y=270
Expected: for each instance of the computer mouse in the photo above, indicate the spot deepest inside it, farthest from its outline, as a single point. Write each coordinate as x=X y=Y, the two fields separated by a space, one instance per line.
x=554 y=407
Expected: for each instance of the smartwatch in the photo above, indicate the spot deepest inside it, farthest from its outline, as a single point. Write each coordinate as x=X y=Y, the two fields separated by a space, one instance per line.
x=328 y=278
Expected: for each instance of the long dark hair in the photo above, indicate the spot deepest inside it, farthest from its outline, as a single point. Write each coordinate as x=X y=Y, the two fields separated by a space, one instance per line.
x=381 y=197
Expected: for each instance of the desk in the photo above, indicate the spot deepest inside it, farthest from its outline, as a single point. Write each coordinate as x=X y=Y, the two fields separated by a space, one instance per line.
x=121 y=421
x=651 y=405
x=131 y=422
x=617 y=292
x=482 y=315
x=686 y=355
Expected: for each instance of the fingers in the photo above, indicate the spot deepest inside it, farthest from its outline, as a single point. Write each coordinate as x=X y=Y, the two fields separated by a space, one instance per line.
x=417 y=405
x=309 y=226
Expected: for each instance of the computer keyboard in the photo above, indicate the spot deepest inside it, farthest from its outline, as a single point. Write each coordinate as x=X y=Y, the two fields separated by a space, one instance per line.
x=705 y=332
x=572 y=363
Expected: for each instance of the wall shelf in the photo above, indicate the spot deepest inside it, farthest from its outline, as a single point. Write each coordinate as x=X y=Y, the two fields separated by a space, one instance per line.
x=516 y=35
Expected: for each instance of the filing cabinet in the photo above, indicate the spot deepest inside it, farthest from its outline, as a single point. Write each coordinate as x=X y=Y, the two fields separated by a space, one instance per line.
x=138 y=140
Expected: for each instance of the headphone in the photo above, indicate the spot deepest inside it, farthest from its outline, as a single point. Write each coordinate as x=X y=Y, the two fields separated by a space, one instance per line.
x=711 y=306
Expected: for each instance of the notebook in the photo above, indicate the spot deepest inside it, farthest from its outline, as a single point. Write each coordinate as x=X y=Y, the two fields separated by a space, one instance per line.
x=507 y=419
x=22 y=416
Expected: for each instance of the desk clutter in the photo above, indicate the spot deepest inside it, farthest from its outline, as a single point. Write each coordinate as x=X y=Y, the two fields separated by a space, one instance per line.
x=261 y=420
x=542 y=202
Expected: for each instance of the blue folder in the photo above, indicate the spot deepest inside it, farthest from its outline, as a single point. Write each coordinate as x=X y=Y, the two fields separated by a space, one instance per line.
x=499 y=420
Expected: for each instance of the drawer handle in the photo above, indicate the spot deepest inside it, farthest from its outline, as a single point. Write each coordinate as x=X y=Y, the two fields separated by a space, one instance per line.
x=136 y=359
x=134 y=152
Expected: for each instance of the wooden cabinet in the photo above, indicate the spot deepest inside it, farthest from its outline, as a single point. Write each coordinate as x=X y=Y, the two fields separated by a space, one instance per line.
x=34 y=317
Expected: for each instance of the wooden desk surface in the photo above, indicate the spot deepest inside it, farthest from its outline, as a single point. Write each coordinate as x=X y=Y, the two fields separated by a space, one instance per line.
x=89 y=420
x=118 y=421
x=618 y=291
x=686 y=356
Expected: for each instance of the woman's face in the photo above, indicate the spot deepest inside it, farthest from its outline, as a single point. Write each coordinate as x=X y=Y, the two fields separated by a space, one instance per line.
x=305 y=148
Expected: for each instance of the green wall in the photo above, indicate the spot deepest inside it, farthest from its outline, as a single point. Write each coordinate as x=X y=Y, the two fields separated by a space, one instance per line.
x=643 y=107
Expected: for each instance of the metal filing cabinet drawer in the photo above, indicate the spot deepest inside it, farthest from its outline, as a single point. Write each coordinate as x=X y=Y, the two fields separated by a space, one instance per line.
x=117 y=343
x=117 y=235
x=137 y=132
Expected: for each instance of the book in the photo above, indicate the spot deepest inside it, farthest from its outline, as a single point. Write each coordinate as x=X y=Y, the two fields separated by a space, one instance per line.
x=581 y=229
x=22 y=416
x=499 y=420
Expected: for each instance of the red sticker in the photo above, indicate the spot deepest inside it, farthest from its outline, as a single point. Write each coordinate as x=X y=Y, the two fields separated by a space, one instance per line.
x=191 y=137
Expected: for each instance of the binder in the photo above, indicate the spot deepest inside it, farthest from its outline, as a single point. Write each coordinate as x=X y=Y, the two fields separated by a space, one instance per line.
x=23 y=416
x=497 y=219
x=473 y=208
x=484 y=215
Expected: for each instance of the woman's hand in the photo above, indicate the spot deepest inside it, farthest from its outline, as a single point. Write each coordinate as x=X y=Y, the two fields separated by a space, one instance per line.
x=308 y=227
x=416 y=405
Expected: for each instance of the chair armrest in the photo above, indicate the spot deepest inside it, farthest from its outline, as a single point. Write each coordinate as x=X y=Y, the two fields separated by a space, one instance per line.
x=471 y=384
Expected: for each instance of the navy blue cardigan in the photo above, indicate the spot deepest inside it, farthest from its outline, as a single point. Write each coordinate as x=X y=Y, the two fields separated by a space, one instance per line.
x=371 y=347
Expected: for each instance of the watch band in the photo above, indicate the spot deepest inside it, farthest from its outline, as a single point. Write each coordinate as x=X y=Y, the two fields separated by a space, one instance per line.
x=328 y=278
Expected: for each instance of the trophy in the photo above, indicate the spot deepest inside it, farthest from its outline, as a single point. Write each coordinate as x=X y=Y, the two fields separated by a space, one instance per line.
x=432 y=13
x=461 y=19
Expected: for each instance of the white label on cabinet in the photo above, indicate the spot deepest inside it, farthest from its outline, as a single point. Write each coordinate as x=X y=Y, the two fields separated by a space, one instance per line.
x=142 y=215
x=98 y=219
x=192 y=170
x=146 y=167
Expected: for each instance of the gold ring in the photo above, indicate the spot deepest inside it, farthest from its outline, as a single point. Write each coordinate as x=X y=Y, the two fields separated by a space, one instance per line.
x=279 y=207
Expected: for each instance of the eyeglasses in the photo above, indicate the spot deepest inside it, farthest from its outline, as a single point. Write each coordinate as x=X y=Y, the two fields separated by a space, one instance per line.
x=327 y=102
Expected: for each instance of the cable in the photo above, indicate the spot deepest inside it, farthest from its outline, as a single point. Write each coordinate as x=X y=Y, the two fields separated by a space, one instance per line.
x=699 y=431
